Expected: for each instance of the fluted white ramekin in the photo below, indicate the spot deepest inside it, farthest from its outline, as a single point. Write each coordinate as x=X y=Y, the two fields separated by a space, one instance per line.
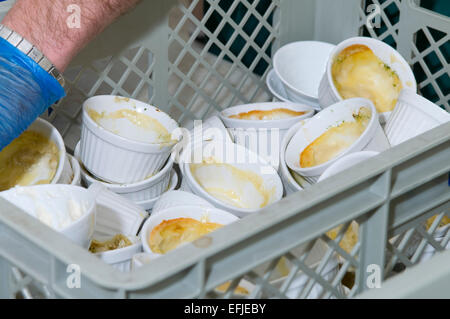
x=147 y=189
x=328 y=93
x=372 y=139
x=255 y=134
x=412 y=116
x=149 y=203
x=114 y=158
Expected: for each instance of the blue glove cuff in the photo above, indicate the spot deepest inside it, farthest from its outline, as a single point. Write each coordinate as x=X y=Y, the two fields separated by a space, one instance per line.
x=26 y=91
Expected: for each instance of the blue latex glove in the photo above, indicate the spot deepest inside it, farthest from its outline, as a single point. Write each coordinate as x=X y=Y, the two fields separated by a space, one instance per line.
x=26 y=91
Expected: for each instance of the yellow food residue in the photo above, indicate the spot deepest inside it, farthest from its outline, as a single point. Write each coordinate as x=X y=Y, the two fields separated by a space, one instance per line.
x=358 y=72
x=136 y=118
x=235 y=195
x=350 y=238
x=239 y=290
x=275 y=114
x=444 y=221
x=118 y=241
x=30 y=159
x=169 y=234
x=335 y=140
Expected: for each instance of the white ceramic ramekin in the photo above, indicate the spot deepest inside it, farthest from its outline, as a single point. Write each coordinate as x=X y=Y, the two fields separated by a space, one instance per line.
x=372 y=139
x=211 y=129
x=300 y=66
x=67 y=172
x=316 y=255
x=212 y=215
x=185 y=186
x=71 y=173
x=139 y=260
x=255 y=134
x=48 y=130
x=149 y=203
x=346 y=162
x=328 y=93
x=117 y=215
x=120 y=258
x=290 y=184
x=412 y=116
x=56 y=206
x=276 y=87
x=141 y=191
x=178 y=198
x=240 y=158
x=76 y=170
x=117 y=159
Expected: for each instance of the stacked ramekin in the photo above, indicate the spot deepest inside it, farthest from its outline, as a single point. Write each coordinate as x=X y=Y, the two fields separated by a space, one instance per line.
x=120 y=157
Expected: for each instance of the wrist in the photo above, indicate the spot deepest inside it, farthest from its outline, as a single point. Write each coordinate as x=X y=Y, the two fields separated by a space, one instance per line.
x=25 y=49
x=59 y=54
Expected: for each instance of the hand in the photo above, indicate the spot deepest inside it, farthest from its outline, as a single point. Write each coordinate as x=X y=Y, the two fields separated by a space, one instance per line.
x=26 y=91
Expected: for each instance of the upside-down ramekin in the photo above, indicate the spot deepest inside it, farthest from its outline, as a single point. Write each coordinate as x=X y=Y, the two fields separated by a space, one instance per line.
x=144 y=190
x=213 y=215
x=372 y=139
x=412 y=116
x=117 y=159
x=328 y=93
x=257 y=134
x=238 y=157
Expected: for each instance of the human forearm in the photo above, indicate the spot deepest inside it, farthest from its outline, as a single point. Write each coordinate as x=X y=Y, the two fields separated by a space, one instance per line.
x=44 y=23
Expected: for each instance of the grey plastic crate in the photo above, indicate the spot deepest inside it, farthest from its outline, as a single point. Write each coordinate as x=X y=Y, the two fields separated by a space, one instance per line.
x=152 y=54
